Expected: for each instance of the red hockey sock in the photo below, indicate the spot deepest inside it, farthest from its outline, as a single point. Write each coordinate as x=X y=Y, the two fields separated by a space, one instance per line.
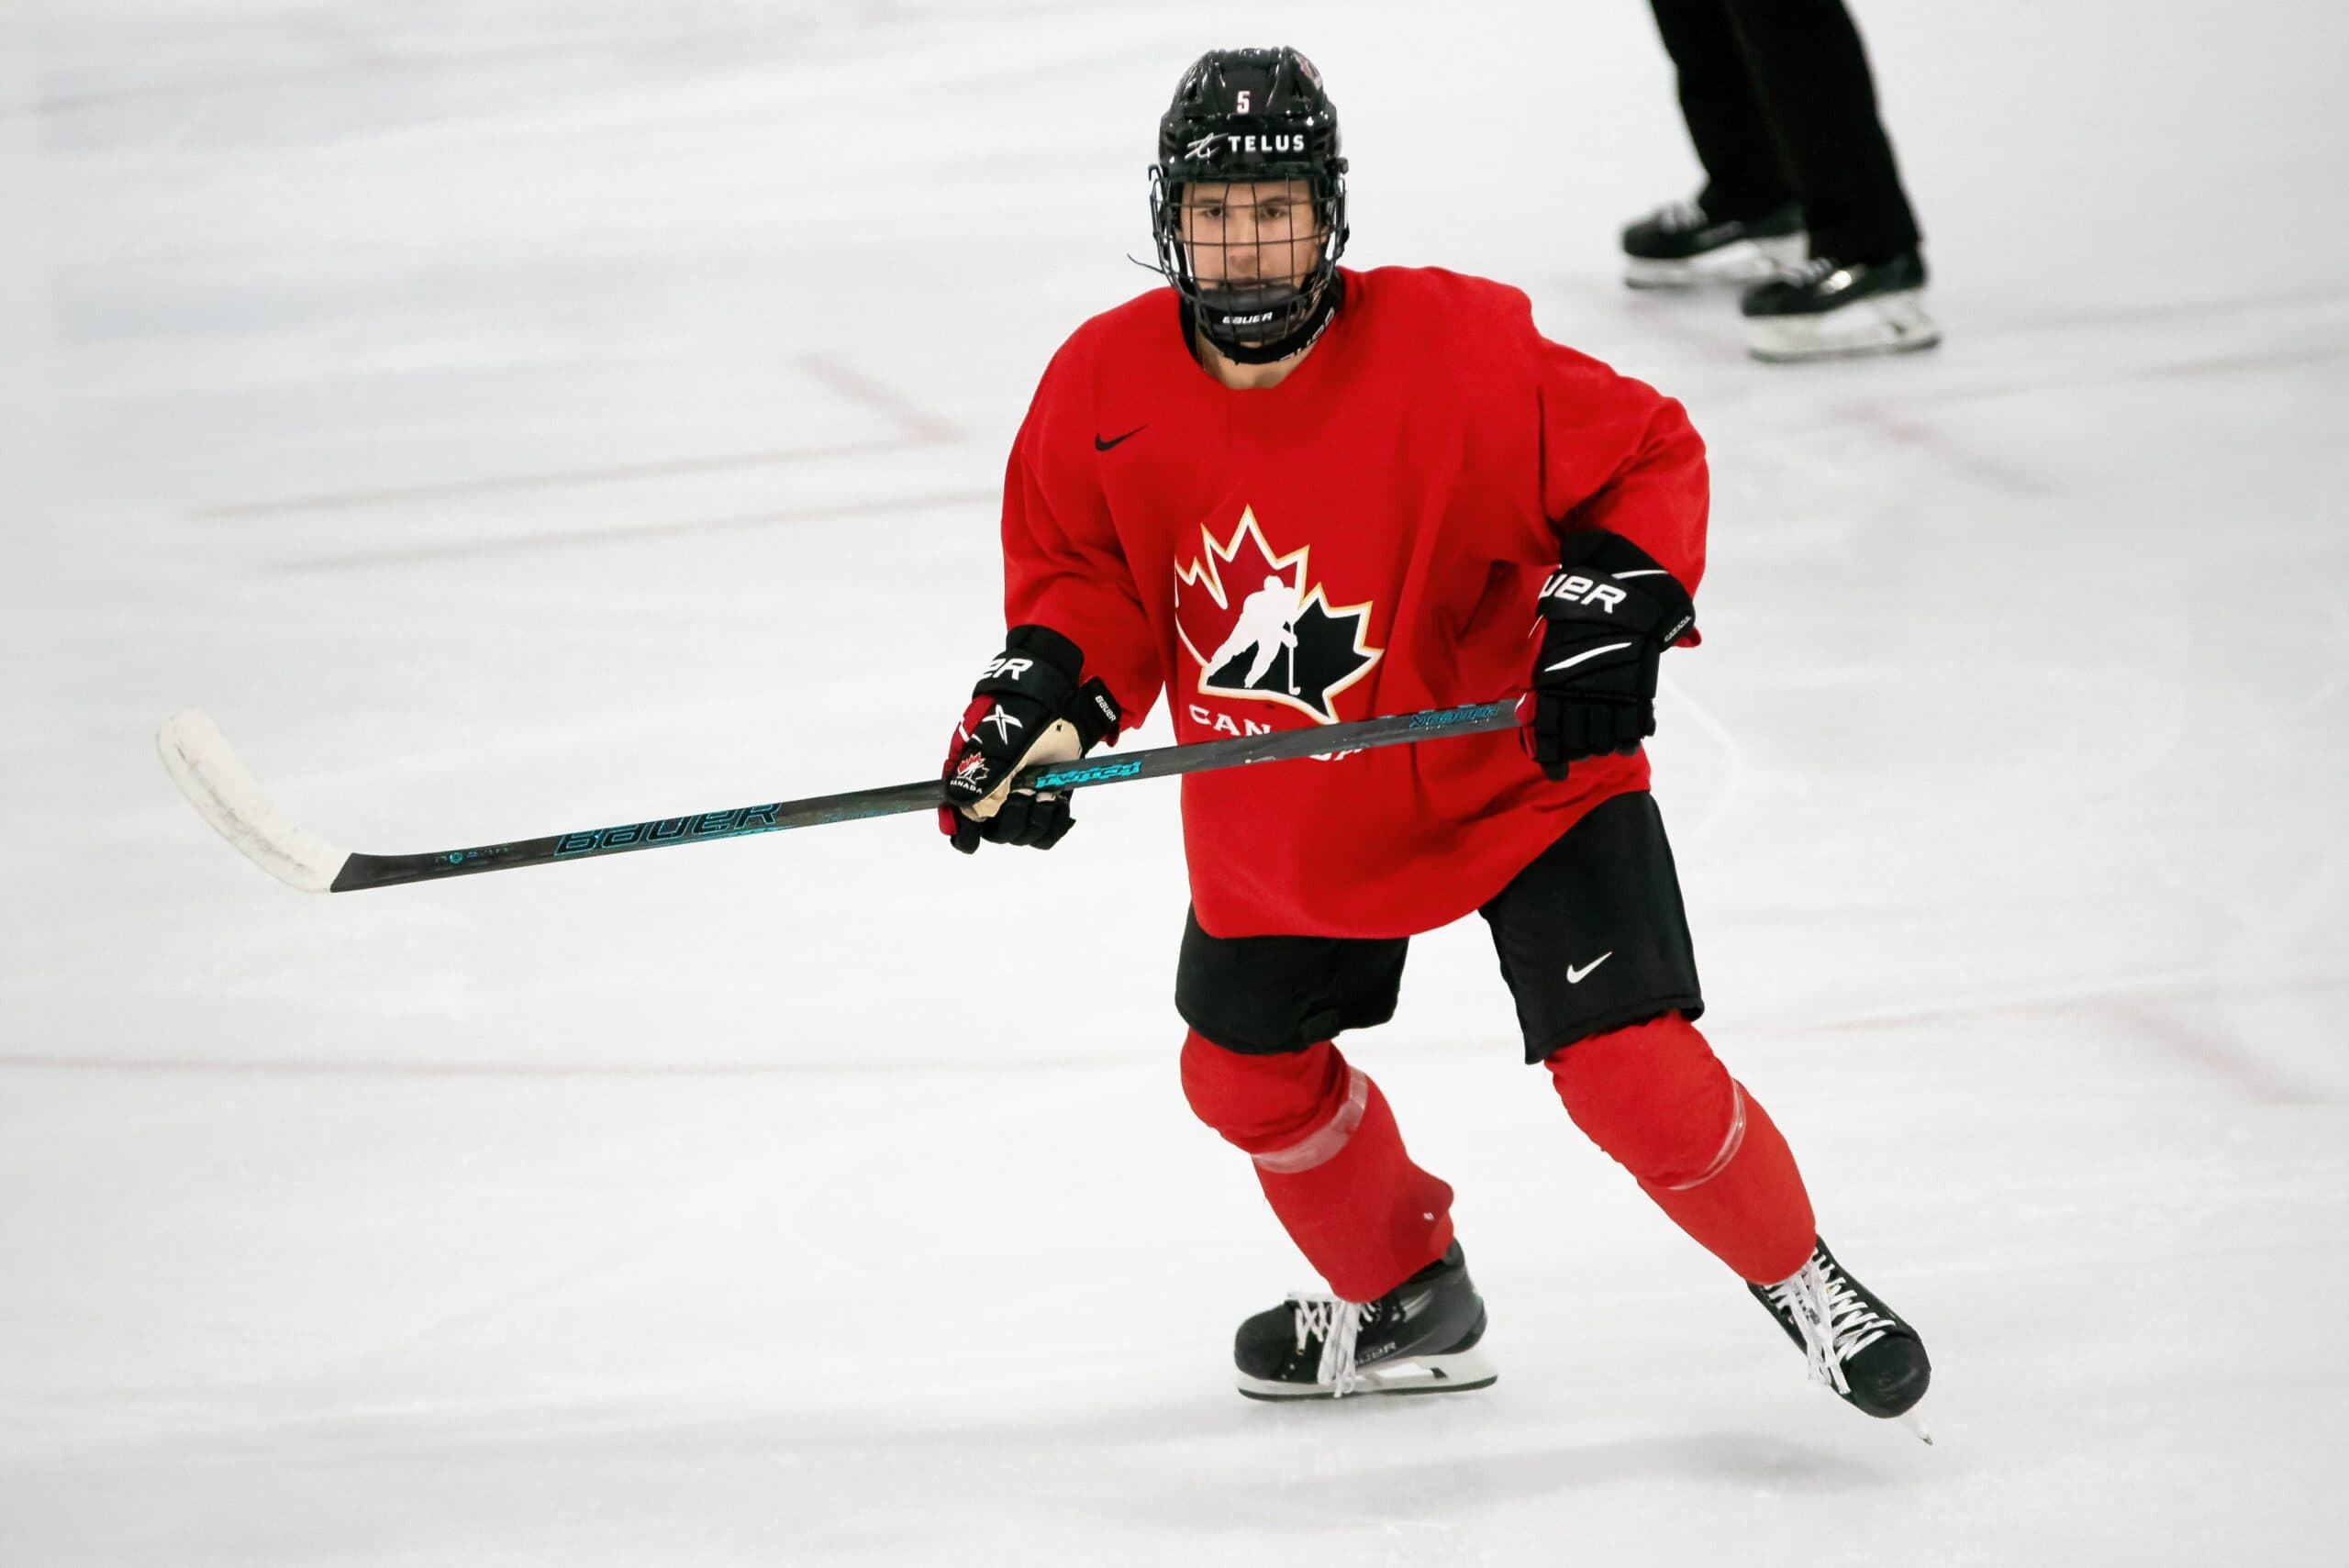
x=1331 y=1160
x=1657 y=1099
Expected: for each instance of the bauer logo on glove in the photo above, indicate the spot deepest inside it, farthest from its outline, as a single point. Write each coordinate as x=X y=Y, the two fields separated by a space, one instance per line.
x=1604 y=618
x=1576 y=589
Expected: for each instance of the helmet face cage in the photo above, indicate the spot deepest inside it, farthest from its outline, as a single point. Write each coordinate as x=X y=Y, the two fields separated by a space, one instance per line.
x=1262 y=282
x=1255 y=270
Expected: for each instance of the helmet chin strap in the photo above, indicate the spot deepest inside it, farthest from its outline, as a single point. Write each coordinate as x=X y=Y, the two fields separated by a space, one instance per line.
x=1295 y=341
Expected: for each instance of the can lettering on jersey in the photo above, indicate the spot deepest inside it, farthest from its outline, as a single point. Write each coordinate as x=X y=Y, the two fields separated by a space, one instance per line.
x=1224 y=724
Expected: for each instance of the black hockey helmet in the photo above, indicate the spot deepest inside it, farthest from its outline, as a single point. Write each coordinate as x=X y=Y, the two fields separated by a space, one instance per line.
x=1242 y=115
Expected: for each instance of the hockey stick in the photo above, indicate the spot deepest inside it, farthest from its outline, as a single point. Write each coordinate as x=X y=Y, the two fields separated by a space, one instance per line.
x=207 y=770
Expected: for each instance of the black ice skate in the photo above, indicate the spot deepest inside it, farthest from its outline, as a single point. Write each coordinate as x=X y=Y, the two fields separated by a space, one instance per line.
x=1680 y=245
x=1856 y=1345
x=1827 y=309
x=1420 y=1338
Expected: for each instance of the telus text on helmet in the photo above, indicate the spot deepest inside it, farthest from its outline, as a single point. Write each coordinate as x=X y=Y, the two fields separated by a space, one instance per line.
x=1238 y=143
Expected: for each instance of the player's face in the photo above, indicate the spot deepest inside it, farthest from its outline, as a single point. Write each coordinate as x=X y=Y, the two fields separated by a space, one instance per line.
x=1250 y=234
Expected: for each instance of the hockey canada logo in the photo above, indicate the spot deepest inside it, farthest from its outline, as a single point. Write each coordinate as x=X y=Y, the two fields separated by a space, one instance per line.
x=1259 y=627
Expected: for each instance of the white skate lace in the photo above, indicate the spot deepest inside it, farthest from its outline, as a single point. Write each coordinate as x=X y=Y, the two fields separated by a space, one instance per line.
x=1810 y=271
x=1678 y=218
x=1339 y=1324
x=1836 y=1323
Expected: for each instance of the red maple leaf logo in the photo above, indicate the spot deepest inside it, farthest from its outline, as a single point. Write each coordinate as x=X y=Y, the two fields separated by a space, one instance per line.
x=1259 y=628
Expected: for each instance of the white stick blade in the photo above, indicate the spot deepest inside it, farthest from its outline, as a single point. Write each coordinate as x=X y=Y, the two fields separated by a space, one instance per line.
x=208 y=772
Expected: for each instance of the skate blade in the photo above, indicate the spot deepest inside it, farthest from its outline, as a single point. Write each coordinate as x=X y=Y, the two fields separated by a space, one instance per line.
x=1455 y=1374
x=1889 y=323
x=1915 y=1423
x=1747 y=261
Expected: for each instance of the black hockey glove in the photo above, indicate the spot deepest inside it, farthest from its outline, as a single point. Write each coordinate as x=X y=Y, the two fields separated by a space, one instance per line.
x=1606 y=615
x=1027 y=708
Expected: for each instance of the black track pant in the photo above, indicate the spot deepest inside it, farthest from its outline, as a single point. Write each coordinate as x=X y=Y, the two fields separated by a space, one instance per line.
x=1779 y=102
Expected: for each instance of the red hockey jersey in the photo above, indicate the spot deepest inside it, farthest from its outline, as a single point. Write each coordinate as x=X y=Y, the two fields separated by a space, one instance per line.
x=1365 y=537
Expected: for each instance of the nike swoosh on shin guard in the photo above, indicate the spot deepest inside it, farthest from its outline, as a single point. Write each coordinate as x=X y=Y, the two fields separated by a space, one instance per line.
x=1321 y=1145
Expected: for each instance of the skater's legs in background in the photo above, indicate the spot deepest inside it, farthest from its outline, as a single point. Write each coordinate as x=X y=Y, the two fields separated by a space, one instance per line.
x=1810 y=76
x=1744 y=177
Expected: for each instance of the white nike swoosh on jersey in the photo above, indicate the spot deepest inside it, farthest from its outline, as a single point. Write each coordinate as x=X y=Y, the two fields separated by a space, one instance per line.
x=1591 y=654
x=1576 y=976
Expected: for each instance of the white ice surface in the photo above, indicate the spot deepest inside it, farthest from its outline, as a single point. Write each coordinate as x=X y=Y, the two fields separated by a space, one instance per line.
x=509 y=416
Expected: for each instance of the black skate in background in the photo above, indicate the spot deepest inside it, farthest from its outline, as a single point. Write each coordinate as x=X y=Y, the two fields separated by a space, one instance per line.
x=1827 y=309
x=1683 y=246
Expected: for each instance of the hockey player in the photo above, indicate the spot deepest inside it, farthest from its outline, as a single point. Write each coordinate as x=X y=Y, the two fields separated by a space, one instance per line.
x=1289 y=494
